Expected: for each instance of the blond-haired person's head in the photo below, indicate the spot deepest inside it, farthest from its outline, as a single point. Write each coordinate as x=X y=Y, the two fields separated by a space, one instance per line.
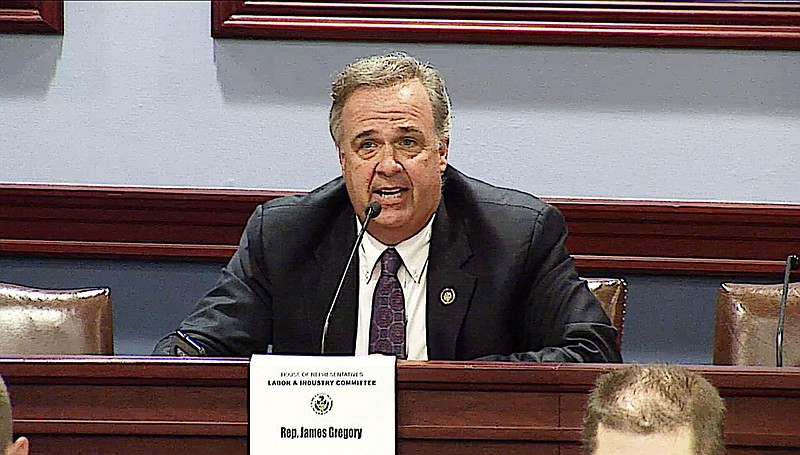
x=7 y=443
x=654 y=409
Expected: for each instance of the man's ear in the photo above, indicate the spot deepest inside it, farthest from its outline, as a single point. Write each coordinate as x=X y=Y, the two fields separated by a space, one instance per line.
x=19 y=447
x=443 y=150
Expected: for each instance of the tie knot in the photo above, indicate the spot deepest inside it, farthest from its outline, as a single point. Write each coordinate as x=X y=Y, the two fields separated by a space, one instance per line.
x=390 y=262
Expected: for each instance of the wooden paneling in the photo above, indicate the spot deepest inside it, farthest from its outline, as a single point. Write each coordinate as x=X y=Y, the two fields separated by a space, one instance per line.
x=606 y=236
x=755 y=25
x=148 y=223
x=118 y=405
x=41 y=17
x=680 y=236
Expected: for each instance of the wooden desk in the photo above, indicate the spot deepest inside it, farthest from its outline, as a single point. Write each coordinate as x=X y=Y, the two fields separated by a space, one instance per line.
x=139 y=405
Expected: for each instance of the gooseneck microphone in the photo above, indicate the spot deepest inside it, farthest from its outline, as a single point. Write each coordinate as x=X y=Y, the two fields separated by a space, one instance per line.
x=792 y=263
x=372 y=211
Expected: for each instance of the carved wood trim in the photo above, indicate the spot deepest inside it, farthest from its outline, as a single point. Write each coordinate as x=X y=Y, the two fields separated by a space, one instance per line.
x=606 y=235
x=151 y=405
x=41 y=17
x=742 y=25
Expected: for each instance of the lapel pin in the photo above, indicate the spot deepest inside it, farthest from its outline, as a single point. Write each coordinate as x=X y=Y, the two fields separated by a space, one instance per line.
x=447 y=296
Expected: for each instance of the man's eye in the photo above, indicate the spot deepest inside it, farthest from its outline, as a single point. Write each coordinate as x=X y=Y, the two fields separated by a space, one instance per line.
x=407 y=141
x=368 y=144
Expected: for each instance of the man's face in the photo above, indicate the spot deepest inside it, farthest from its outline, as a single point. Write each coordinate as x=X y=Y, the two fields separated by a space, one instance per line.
x=390 y=154
x=613 y=442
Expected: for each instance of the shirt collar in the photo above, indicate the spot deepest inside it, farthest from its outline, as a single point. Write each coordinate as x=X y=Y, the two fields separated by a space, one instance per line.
x=413 y=251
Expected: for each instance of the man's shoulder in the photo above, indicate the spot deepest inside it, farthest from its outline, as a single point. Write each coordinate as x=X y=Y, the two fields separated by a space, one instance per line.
x=329 y=197
x=301 y=220
x=499 y=222
x=485 y=196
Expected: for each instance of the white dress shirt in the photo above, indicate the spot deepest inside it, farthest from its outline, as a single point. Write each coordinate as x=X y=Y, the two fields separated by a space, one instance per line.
x=413 y=276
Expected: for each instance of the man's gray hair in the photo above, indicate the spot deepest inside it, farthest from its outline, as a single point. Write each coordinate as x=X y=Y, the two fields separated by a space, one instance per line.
x=386 y=71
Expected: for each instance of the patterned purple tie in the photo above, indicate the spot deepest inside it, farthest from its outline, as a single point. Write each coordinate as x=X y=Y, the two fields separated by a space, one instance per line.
x=387 y=332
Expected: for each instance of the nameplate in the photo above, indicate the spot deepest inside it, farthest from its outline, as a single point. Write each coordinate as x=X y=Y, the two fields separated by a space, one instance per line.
x=331 y=405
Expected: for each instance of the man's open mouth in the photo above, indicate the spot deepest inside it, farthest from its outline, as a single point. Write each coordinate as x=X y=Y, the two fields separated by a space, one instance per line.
x=390 y=193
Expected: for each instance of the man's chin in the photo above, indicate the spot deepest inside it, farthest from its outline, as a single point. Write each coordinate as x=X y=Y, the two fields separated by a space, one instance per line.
x=389 y=221
x=391 y=229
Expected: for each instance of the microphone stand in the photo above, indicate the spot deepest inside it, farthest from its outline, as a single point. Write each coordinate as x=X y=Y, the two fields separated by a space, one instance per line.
x=792 y=262
x=373 y=210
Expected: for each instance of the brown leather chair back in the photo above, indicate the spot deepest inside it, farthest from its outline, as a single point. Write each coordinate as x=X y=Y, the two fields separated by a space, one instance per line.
x=747 y=318
x=54 y=322
x=612 y=294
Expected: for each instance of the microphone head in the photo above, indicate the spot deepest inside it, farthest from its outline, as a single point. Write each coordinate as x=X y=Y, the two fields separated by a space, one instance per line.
x=794 y=261
x=373 y=209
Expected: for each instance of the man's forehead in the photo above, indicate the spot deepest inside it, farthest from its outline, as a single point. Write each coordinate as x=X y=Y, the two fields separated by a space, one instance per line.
x=411 y=91
x=399 y=129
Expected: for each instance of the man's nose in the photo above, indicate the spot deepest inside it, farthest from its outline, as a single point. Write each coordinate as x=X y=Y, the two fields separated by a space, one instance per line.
x=389 y=163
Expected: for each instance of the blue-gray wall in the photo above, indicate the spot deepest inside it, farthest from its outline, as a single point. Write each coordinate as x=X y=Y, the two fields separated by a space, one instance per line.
x=137 y=93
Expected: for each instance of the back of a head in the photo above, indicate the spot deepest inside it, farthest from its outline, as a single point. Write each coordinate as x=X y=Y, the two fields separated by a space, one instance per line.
x=7 y=443
x=387 y=70
x=656 y=399
x=6 y=432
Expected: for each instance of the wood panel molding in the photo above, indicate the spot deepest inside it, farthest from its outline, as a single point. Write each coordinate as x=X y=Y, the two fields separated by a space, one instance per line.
x=41 y=17
x=151 y=405
x=753 y=25
x=606 y=235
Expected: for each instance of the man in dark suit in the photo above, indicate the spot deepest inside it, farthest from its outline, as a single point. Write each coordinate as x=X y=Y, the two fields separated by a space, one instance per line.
x=483 y=272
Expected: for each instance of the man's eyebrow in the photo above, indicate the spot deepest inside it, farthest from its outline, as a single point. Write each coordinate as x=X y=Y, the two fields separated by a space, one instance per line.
x=410 y=129
x=364 y=134
x=370 y=132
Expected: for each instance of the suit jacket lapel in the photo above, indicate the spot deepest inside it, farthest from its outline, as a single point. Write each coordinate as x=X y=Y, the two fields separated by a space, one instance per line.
x=330 y=259
x=450 y=288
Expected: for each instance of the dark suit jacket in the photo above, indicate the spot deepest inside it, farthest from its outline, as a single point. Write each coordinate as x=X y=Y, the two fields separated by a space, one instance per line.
x=517 y=294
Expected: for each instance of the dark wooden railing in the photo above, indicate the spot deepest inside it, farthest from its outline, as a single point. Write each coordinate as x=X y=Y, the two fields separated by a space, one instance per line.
x=606 y=235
